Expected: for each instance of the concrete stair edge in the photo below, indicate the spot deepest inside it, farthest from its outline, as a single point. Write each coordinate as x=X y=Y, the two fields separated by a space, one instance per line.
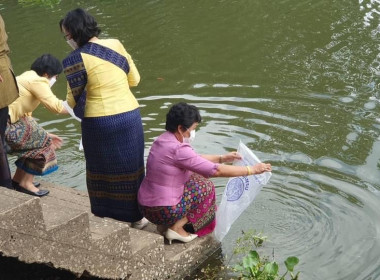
x=182 y=258
x=110 y=236
x=23 y=214
x=81 y=242
x=147 y=252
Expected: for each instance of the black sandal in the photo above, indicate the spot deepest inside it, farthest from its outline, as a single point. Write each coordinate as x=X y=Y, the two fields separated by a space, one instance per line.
x=39 y=193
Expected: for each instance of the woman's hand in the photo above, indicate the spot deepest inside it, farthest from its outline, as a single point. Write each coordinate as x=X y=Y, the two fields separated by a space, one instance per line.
x=261 y=168
x=56 y=142
x=230 y=157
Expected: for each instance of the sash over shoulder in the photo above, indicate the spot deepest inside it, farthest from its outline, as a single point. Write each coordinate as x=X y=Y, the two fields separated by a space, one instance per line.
x=76 y=74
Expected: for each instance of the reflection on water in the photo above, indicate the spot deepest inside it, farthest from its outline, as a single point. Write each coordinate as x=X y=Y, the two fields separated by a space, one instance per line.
x=297 y=82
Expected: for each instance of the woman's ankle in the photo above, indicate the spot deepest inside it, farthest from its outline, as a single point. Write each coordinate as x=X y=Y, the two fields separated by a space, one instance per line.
x=179 y=230
x=28 y=186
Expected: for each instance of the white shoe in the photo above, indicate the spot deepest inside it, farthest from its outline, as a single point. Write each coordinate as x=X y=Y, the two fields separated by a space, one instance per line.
x=140 y=224
x=172 y=235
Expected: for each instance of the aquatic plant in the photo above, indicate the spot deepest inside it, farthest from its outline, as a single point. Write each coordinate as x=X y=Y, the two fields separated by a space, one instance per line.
x=250 y=265
x=253 y=267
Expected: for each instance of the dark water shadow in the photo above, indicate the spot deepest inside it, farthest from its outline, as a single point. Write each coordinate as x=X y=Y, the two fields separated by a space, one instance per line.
x=13 y=269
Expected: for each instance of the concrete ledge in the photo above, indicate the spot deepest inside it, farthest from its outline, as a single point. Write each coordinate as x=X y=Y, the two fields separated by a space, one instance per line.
x=60 y=230
x=110 y=236
x=21 y=213
x=148 y=253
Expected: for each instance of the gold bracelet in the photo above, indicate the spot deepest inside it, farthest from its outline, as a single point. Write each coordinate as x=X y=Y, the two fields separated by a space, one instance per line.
x=249 y=170
x=220 y=159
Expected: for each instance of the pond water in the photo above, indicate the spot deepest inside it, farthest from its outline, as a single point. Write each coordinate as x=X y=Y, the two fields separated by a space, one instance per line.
x=296 y=81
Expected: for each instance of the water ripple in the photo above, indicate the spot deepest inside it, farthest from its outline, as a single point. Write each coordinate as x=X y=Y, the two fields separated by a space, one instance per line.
x=296 y=81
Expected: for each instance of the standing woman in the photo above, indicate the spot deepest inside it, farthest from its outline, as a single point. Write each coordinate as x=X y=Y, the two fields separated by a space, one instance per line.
x=100 y=73
x=8 y=93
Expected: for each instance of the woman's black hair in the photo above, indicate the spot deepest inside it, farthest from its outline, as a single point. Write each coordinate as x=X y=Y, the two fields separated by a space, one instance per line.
x=47 y=64
x=182 y=114
x=81 y=25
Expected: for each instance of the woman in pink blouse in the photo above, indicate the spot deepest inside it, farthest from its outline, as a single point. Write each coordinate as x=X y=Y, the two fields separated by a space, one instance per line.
x=176 y=193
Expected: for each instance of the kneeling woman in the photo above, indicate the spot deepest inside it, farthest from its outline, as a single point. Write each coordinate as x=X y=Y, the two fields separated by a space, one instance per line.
x=34 y=147
x=175 y=193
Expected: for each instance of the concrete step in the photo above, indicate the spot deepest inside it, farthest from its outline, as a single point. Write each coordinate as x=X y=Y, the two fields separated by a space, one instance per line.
x=110 y=236
x=72 y=238
x=64 y=224
x=182 y=258
x=147 y=253
x=72 y=198
x=21 y=225
x=60 y=229
x=21 y=213
x=11 y=199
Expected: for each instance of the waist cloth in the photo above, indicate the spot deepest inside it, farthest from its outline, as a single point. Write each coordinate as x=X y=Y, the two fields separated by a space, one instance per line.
x=32 y=145
x=197 y=204
x=114 y=151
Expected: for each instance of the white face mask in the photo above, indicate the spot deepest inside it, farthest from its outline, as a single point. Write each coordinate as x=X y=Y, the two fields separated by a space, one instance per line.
x=72 y=44
x=191 y=138
x=52 y=81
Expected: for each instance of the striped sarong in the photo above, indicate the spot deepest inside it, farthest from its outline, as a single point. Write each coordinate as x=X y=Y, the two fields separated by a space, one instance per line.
x=114 y=151
x=32 y=146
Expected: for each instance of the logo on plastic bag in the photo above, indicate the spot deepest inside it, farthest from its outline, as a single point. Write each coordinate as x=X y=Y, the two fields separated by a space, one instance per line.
x=235 y=188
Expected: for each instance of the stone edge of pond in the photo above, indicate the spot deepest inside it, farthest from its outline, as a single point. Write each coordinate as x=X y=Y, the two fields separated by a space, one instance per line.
x=58 y=236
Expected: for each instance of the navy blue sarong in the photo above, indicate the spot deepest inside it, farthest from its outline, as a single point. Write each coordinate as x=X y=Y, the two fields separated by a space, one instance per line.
x=114 y=151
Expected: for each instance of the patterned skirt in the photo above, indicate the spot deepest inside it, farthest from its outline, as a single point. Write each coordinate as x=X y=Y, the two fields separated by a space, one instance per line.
x=114 y=152
x=32 y=146
x=197 y=204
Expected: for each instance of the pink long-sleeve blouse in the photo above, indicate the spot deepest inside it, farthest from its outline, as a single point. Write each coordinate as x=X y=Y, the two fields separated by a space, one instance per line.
x=170 y=164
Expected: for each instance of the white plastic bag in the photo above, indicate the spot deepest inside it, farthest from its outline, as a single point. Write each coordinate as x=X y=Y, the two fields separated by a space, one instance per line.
x=71 y=112
x=239 y=193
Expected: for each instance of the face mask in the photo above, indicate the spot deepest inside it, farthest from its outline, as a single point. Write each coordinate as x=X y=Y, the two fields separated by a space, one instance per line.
x=52 y=81
x=72 y=44
x=191 y=138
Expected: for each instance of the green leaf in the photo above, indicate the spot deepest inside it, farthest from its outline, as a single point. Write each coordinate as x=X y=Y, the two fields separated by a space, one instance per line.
x=247 y=262
x=251 y=260
x=255 y=256
x=291 y=262
x=271 y=268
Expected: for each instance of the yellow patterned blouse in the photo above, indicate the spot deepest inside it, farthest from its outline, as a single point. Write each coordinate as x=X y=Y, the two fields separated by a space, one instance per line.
x=108 y=86
x=34 y=90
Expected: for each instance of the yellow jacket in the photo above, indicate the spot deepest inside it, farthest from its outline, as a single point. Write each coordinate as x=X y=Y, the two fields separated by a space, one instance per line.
x=108 y=87
x=34 y=90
